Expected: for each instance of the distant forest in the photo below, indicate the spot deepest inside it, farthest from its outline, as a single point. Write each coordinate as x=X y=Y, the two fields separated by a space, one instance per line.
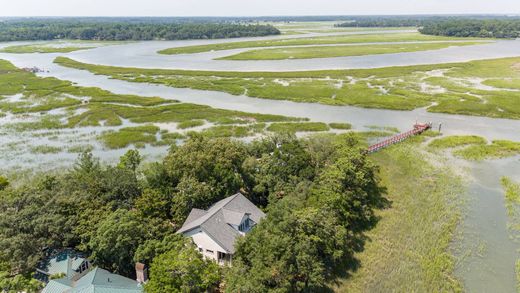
x=118 y=29
x=455 y=26
x=474 y=28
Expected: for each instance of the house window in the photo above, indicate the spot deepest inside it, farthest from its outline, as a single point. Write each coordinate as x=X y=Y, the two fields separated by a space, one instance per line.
x=244 y=226
x=209 y=251
x=200 y=249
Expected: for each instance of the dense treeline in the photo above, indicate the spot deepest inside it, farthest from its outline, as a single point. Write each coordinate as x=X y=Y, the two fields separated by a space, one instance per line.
x=413 y=20
x=22 y=30
x=320 y=195
x=474 y=28
x=454 y=26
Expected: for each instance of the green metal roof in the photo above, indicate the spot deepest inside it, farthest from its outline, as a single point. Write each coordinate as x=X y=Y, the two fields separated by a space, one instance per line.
x=96 y=281
x=58 y=286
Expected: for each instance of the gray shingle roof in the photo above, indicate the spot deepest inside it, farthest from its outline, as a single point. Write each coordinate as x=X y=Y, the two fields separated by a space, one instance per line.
x=194 y=214
x=217 y=219
x=233 y=217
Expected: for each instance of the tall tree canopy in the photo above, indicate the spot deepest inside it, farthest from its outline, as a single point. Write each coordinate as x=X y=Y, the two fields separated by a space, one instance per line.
x=203 y=171
x=182 y=269
x=311 y=232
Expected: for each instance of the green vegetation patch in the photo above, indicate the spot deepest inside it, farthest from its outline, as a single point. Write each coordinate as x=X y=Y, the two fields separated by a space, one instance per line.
x=190 y=124
x=512 y=195
x=383 y=128
x=111 y=114
x=233 y=130
x=130 y=135
x=496 y=150
x=340 y=51
x=506 y=83
x=341 y=126
x=45 y=149
x=512 y=201
x=45 y=122
x=298 y=127
x=23 y=49
x=78 y=149
x=457 y=141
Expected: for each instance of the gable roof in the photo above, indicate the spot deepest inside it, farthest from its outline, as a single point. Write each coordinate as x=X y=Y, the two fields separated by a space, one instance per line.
x=98 y=281
x=217 y=219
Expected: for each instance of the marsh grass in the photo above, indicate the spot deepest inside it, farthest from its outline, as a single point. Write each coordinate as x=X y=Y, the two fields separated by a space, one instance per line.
x=45 y=122
x=25 y=94
x=409 y=249
x=457 y=141
x=298 y=127
x=324 y=40
x=340 y=126
x=512 y=202
x=137 y=136
x=383 y=128
x=398 y=88
x=24 y=49
x=340 y=51
x=512 y=195
x=80 y=148
x=496 y=150
x=190 y=124
x=233 y=130
x=45 y=149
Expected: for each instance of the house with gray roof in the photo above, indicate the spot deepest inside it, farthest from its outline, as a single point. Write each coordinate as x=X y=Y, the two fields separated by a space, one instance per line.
x=215 y=230
x=95 y=281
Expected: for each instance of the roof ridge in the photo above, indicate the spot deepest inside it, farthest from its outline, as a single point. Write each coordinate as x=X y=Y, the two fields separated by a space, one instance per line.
x=221 y=208
x=210 y=212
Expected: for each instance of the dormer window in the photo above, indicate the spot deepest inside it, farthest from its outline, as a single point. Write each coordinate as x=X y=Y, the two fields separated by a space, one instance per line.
x=245 y=225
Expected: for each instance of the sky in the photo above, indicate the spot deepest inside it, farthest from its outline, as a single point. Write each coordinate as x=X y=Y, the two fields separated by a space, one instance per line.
x=251 y=7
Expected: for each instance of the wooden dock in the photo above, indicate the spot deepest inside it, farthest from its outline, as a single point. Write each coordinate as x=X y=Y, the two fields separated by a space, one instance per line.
x=417 y=129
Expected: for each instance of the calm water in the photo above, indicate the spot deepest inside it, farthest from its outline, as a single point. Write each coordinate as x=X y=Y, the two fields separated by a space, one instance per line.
x=143 y=54
x=491 y=269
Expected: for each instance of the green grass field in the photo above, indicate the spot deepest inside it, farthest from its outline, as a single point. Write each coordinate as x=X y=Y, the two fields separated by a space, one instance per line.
x=340 y=51
x=322 y=40
x=453 y=87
